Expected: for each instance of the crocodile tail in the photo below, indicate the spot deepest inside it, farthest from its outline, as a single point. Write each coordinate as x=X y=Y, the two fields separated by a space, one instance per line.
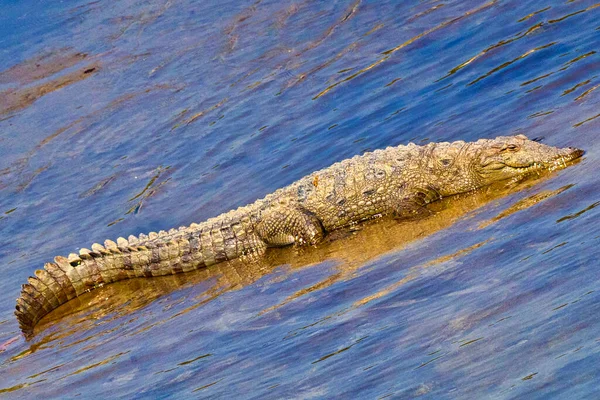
x=159 y=254
x=67 y=278
x=147 y=256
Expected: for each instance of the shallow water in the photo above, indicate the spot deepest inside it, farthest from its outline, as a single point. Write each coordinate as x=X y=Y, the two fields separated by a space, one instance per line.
x=129 y=117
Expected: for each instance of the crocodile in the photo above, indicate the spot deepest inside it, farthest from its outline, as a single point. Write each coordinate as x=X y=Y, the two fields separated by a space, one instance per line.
x=398 y=181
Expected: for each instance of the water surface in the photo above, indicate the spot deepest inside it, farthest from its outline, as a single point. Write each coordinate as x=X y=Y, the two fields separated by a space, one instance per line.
x=128 y=117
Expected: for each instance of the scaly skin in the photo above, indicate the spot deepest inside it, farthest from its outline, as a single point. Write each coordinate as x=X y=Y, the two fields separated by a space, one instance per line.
x=398 y=180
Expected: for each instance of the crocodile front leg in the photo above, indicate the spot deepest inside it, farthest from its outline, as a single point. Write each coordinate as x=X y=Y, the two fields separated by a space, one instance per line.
x=282 y=226
x=412 y=203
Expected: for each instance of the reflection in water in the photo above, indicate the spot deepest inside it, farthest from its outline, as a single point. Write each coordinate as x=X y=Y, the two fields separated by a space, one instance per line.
x=578 y=213
x=501 y=43
x=13 y=100
x=510 y=62
x=18 y=173
x=239 y=98
x=525 y=18
x=524 y=204
x=388 y=53
x=41 y=67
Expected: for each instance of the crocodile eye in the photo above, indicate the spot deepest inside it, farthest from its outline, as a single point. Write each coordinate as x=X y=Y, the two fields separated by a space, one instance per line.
x=511 y=147
x=446 y=161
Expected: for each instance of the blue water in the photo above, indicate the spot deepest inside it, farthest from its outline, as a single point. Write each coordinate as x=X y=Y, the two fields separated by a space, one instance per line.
x=124 y=117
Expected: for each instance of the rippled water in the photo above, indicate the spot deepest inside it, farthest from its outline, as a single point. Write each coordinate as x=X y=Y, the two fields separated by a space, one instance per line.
x=125 y=117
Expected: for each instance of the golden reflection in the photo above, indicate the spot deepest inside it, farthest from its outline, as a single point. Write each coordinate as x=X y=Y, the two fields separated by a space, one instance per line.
x=524 y=204
x=73 y=128
x=563 y=68
x=490 y=48
x=577 y=86
x=19 y=386
x=539 y=113
x=347 y=15
x=325 y=357
x=390 y=83
x=553 y=21
x=467 y=342
x=426 y=12
x=301 y=77
x=246 y=75
x=282 y=17
x=207 y=386
x=12 y=100
x=229 y=31
x=374 y=29
x=590 y=90
x=578 y=124
x=98 y=364
x=203 y=112
x=525 y=18
x=532 y=89
x=506 y=64
x=581 y=57
x=440 y=26
x=415 y=272
x=360 y=72
x=578 y=213
x=388 y=53
x=537 y=79
x=41 y=66
x=45 y=371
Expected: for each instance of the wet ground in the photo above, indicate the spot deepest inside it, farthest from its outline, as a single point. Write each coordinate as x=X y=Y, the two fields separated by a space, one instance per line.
x=129 y=117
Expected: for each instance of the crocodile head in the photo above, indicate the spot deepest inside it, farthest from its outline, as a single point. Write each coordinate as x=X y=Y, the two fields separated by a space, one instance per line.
x=467 y=166
x=509 y=157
